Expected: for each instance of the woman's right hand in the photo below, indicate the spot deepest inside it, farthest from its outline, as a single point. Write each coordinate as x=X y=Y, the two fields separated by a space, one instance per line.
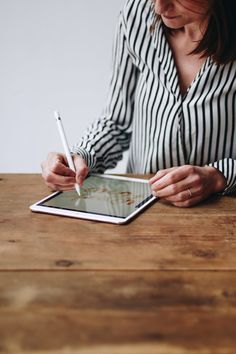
x=58 y=176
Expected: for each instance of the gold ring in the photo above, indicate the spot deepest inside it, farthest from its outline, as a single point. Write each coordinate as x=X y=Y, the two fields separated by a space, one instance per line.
x=190 y=193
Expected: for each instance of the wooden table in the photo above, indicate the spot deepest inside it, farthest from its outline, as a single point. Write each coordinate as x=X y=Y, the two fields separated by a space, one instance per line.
x=163 y=284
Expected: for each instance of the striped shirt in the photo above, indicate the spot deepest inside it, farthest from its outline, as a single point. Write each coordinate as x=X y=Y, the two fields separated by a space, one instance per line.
x=146 y=113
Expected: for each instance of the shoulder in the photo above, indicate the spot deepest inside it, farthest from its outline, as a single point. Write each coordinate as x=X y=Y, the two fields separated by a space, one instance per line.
x=137 y=13
x=132 y=6
x=136 y=19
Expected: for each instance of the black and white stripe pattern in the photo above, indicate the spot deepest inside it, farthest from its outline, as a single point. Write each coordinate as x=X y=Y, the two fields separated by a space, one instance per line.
x=146 y=113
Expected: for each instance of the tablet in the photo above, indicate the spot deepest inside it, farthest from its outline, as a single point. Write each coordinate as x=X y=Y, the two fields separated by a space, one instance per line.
x=103 y=198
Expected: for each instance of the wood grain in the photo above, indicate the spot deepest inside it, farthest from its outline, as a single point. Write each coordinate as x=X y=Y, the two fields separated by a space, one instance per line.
x=171 y=312
x=163 y=237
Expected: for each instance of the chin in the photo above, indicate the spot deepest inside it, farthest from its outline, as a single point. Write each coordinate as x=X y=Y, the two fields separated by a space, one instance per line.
x=172 y=24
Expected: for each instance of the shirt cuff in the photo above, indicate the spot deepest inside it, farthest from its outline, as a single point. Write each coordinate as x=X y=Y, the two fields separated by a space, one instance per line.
x=89 y=158
x=220 y=165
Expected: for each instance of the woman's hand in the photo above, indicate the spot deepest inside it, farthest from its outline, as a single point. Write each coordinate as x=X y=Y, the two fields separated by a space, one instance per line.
x=58 y=176
x=187 y=185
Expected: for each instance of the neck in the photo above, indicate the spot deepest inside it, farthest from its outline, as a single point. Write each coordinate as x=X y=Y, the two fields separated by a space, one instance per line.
x=193 y=32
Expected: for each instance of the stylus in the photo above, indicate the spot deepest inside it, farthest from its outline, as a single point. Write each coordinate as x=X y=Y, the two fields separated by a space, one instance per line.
x=66 y=146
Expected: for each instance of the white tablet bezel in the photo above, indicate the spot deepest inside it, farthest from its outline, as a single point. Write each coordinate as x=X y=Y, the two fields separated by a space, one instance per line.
x=95 y=217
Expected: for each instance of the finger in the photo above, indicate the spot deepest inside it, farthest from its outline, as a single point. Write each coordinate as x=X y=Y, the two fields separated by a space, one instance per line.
x=57 y=163
x=67 y=189
x=179 y=197
x=82 y=169
x=160 y=174
x=55 y=179
x=188 y=203
x=174 y=176
x=177 y=189
x=58 y=167
x=56 y=188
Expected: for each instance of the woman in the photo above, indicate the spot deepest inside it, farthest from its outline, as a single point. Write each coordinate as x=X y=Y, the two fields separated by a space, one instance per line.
x=172 y=102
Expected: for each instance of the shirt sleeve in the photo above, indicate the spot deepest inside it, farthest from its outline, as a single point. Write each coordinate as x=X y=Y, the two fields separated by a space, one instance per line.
x=227 y=166
x=106 y=139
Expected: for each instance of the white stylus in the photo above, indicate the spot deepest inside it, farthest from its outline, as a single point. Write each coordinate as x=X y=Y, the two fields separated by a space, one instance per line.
x=65 y=146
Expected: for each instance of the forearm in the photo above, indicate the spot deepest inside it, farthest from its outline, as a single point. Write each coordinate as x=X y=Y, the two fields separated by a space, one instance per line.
x=100 y=148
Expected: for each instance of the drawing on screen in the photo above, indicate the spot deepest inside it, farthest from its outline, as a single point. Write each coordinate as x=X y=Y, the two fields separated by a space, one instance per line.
x=102 y=194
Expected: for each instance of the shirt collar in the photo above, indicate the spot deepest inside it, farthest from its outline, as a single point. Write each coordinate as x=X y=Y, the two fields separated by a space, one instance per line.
x=167 y=61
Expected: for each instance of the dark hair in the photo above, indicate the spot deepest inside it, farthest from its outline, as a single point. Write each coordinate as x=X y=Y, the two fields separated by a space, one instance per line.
x=219 y=40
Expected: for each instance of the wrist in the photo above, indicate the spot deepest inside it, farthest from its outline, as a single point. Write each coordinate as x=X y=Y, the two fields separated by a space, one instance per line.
x=88 y=157
x=219 y=182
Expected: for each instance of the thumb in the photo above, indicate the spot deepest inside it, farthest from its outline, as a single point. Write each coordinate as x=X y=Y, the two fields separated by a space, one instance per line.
x=81 y=169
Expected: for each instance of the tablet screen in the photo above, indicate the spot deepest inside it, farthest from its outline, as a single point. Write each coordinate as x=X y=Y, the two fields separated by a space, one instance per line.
x=104 y=196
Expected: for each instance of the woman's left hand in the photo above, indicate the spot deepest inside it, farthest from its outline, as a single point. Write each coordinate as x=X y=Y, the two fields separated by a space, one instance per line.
x=187 y=185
